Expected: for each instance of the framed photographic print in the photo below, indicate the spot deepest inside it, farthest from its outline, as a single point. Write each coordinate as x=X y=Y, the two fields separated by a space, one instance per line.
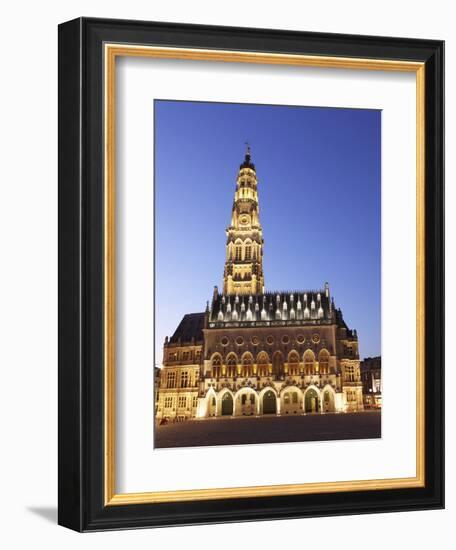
x=250 y=274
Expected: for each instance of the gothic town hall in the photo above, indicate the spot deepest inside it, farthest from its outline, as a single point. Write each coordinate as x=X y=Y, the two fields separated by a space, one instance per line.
x=257 y=352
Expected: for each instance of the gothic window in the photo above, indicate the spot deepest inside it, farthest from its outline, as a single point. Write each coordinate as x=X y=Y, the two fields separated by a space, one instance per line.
x=309 y=362
x=263 y=364
x=350 y=373
x=248 y=252
x=238 y=252
x=195 y=378
x=194 y=401
x=185 y=355
x=197 y=355
x=216 y=366
x=172 y=356
x=247 y=365
x=277 y=364
x=171 y=380
x=323 y=360
x=184 y=379
x=231 y=366
x=293 y=364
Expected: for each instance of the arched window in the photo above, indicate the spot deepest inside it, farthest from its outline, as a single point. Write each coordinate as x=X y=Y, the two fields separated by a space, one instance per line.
x=247 y=364
x=238 y=252
x=277 y=364
x=248 y=252
x=309 y=362
x=293 y=363
x=323 y=361
x=231 y=363
x=263 y=364
x=216 y=366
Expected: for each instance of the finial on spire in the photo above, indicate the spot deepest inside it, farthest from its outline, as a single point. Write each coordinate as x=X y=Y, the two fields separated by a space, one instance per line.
x=248 y=155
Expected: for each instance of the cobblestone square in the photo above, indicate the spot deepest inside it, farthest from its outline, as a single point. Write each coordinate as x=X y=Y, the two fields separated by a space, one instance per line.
x=269 y=429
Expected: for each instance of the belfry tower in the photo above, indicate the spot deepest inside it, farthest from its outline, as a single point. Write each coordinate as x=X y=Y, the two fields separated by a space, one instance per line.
x=244 y=245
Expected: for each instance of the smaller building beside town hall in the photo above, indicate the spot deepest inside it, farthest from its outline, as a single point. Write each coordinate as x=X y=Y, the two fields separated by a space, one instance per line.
x=371 y=377
x=253 y=352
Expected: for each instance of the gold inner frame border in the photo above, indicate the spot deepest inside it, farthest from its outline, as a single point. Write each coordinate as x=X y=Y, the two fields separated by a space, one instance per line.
x=110 y=53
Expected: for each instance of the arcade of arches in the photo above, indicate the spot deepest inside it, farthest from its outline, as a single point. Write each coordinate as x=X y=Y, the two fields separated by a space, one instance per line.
x=291 y=400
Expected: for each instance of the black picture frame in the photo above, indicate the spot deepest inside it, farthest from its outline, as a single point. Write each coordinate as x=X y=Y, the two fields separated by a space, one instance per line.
x=81 y=429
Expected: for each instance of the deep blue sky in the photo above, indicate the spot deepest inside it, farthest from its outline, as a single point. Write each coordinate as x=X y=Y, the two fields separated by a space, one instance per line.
x=319 y=191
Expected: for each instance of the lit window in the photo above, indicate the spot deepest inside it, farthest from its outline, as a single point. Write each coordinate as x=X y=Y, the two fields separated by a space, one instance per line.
x=231 y=366
x=168 y=402
x=171 y=380
x=309 y=362
x=293 y=364
x=184 y=379
x=247 y=366
x=216 y=366
x=182 y=400
x=323 y=360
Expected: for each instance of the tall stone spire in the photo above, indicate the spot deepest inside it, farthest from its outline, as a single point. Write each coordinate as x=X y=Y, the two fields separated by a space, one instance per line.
x=244 y=246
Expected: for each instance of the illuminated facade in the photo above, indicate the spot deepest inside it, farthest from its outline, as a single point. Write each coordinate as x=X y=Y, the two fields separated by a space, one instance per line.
x=371 y=378
x=244 y=245
x=254 y=352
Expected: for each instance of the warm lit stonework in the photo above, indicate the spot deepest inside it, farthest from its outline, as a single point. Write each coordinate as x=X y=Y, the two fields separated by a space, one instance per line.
x=254 y=352
x=371 y=378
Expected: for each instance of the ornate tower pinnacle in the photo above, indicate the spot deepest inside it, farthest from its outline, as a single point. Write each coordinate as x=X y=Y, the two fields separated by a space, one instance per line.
x=244 y=246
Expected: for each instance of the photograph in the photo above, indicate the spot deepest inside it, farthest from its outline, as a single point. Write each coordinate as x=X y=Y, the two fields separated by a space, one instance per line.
x=267 y=273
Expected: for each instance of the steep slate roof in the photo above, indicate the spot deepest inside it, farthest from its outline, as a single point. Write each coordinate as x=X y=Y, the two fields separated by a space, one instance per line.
x=190 y=327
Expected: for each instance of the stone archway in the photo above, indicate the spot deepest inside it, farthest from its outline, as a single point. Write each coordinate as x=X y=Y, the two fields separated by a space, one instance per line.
x=291 y=401
x=227 y=404
x=269 y=402
x=245 y=402
x=311 y=401
x=211 y=404
x=328 y=404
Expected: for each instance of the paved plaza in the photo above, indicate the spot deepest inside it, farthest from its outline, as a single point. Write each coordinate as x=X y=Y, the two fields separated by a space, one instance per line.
x=269 y=429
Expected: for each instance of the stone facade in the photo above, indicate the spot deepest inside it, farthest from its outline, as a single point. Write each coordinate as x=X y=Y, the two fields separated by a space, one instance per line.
x=254 y=352
x=371 y=378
